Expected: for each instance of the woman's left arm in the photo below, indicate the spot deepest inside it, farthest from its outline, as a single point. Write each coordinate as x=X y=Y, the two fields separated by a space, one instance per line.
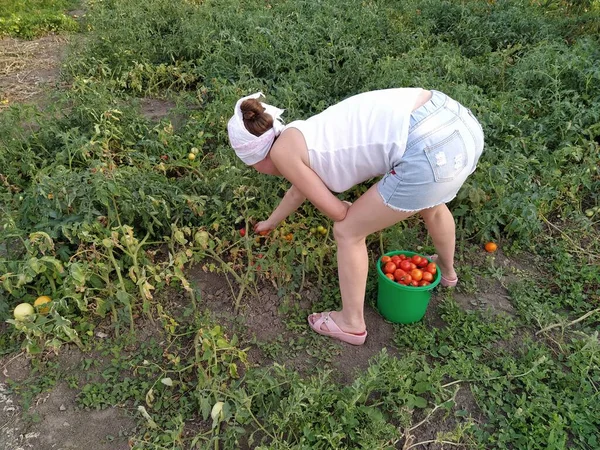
x=291 y=166
x=291 y=201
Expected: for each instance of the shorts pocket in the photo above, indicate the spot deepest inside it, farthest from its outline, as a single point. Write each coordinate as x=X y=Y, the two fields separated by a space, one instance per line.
x=447 y=158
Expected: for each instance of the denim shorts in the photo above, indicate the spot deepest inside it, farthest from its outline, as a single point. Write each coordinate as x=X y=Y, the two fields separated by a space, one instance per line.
x=444 y=144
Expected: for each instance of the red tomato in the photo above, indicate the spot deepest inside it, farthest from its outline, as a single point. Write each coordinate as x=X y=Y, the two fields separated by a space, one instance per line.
x=396 y=259
x=385 y=259
x=491 y=247
x=431 y=268
x=390 y=276
x=402 y=256
x=405 y=265
x=416 y=259
x=399 y=273
x=264 y=232
x=423 y=263
x=414 y=283
x=413 y=266
x=406 y=279
x=424 y=283
x=417 y=274
x=389 y=267
x=242 y=232
x=427 y=276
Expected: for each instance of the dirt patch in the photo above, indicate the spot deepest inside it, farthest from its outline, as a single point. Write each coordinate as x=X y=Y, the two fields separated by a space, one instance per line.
x=54 y=421
x=497 y=301
x=261 y=322
x=155 y=109
x=27 y=67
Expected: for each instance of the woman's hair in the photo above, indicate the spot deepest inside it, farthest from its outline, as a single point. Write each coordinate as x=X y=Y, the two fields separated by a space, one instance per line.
x=256 y=120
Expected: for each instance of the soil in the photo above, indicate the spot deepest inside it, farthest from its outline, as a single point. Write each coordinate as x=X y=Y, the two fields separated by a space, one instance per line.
x=54 y=420
x=155 y=109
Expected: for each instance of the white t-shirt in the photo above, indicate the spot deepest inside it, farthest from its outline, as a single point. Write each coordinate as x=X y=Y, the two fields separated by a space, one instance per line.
x=361 y=137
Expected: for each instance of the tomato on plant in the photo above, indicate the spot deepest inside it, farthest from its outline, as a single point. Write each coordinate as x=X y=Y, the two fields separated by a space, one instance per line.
x=242 y=232
x=42 y=300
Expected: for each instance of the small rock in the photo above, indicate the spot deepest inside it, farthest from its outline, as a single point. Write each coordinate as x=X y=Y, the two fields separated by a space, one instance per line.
x=63 y=408
x=66 y=424
x=101 y=335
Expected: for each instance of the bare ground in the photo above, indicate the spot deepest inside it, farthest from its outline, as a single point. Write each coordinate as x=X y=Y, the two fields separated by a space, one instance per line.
x=27 y=68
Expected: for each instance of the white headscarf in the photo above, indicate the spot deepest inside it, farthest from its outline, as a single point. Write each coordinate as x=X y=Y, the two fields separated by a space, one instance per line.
x=249 y=148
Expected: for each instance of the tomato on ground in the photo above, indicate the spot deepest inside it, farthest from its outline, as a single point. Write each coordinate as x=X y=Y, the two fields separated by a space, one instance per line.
x=491 y=247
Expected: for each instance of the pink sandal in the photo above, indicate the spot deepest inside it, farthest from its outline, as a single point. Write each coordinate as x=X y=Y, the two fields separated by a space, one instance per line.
x=334 y=331
x=446 y=282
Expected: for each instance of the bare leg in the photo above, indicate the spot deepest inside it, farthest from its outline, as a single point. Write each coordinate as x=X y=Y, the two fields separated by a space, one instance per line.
x=367 y=215
x=440 y=224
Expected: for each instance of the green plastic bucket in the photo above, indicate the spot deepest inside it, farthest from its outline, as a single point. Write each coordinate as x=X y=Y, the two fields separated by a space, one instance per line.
x=399 y=303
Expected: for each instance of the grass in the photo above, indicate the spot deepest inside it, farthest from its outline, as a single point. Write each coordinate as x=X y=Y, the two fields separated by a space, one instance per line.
x=103 y=211
x=33 y=18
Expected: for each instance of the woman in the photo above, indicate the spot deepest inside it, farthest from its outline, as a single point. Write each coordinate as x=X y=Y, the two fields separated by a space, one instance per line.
x=423 y=143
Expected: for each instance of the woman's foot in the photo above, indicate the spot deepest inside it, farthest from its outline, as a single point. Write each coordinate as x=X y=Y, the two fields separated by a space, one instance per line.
x=324 y=324
x=337 y=317
x=449 y=276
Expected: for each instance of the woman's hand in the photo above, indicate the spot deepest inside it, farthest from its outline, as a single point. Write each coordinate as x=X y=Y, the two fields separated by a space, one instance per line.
x=264 y=227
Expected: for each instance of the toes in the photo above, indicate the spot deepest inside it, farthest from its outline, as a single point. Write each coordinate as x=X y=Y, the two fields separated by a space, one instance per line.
x=313 y=319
